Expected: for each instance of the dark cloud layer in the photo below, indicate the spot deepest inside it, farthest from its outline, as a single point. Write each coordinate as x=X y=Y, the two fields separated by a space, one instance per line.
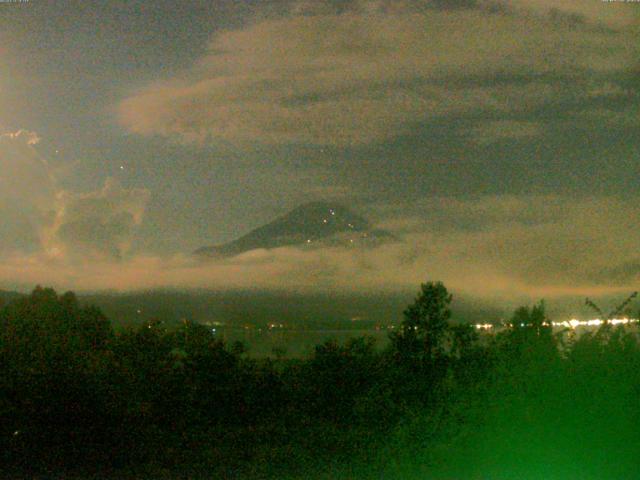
x=361 y=72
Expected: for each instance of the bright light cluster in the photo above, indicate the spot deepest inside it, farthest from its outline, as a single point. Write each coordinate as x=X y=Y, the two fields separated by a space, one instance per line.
x=484 y=326
x=573 y=323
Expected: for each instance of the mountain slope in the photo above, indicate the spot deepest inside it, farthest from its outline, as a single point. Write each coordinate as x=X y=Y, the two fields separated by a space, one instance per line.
x=311 y=224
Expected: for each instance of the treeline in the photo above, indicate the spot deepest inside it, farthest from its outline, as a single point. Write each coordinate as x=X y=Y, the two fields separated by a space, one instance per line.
x=440 y=401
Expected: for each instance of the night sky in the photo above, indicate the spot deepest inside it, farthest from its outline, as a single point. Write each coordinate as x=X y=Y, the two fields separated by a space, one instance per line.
x=499 y=140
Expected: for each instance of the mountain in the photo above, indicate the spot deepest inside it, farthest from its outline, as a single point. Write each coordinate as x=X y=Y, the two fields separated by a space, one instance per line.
x=312 y=224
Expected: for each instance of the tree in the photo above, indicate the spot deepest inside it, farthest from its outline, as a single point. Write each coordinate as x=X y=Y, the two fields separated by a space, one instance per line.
x=529 y=339
x=463 y=339
x=426 y=323
x=531 y=322
x=55 y=366
x=43 y=330
x=338 y=374
x=621 y=309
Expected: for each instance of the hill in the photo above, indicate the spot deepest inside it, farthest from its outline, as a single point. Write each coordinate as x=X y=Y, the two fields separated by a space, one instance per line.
x=310 y=225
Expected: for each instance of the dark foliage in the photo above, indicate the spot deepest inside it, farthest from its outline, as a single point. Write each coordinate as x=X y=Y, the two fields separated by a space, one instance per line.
x=78 y=400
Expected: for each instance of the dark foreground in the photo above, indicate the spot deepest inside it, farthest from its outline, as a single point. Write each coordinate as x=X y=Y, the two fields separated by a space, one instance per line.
x=80 y=401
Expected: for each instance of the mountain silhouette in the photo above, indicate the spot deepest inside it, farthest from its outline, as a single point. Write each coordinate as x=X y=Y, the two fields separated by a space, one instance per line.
x=311 y=225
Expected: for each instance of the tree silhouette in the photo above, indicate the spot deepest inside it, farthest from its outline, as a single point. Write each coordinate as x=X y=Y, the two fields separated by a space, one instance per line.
x=425 y=324
x=463 y=338
x=621 y=308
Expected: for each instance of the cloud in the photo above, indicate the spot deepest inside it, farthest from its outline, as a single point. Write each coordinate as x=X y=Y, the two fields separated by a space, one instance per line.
x=98 y=223
x=485 y=245
x=622 y=274
x=353 y=73
x=41 y=218
x=537 y=246
x=582 y=11
x=27 y=192
x=624 y=118
x=546 y=240
x=24 y=136
x=23 y=170
x=493 y=131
